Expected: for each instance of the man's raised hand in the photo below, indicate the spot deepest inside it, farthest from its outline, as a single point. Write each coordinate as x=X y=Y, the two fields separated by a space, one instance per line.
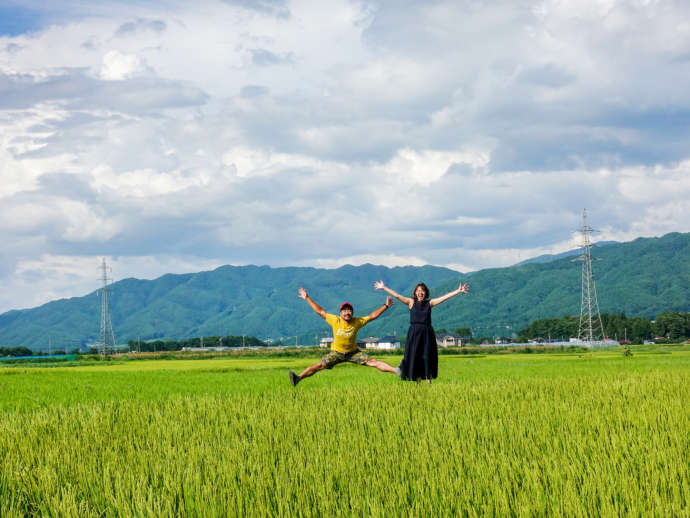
x=378 y=285
x=302 y=293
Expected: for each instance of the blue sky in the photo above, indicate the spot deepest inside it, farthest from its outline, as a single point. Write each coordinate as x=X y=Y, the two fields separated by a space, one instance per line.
x=15 y=20
x=174 y=136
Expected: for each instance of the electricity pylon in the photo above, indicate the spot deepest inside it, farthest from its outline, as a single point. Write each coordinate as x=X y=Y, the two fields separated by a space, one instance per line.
x=590 y=327
x=106 y=339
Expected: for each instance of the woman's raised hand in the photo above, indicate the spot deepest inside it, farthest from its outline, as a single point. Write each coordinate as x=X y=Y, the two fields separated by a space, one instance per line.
x=463 y=288
x=302 y=293
x=378 y=285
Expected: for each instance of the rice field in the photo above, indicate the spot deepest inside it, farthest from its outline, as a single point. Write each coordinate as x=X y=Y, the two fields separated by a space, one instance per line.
x=594 y=434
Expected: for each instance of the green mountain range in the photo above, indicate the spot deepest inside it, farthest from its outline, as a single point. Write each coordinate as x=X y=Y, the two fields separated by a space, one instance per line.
x=641 y=278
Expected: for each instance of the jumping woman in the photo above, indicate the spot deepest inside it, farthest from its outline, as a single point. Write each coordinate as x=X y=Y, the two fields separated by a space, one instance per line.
x=421 y=352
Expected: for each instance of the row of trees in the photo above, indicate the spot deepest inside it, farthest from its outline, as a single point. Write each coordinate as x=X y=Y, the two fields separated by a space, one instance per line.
x=672 y=326
x=15 y=351
x=25 y=351
x=206 y=341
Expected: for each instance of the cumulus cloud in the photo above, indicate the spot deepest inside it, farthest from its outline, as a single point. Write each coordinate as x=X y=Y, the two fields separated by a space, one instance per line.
x=428 y=166
x=117 y=66
x=172 y=137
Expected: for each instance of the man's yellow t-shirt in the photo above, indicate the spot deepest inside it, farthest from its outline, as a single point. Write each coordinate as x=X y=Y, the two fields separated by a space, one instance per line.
x=345 y=334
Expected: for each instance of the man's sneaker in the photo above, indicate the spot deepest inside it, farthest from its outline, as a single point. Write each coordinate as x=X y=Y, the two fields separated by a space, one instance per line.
x=294 y=378
x=398 y=371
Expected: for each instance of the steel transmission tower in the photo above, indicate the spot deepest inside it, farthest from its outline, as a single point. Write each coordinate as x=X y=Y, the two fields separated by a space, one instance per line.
x=591 y=327
x=106 y=339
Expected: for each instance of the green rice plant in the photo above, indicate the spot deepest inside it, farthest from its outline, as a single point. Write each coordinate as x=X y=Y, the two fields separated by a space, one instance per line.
x=516 y=435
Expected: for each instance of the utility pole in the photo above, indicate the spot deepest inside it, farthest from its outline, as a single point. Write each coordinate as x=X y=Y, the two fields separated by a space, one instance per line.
x=590 y=327
x=106 y=339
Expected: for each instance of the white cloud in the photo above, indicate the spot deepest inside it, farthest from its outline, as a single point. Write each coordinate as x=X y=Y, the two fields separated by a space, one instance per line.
x=462 y=134
x=117 y=66
x=248 y=162
x=657 y=184
x=144 y=182
x=425 y=167
x=22 y=133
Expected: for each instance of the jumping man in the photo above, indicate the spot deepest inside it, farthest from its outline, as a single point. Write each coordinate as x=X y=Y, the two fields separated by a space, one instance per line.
x=344 y=347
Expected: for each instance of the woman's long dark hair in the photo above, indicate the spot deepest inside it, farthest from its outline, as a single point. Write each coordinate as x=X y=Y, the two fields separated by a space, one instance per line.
x=423 y=286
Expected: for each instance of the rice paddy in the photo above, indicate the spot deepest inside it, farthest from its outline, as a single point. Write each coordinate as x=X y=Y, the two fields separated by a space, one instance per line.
x=501 y=435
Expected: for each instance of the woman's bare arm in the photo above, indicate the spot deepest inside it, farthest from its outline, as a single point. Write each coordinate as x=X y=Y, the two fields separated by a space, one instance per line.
x=379 y=285
x=463 y=288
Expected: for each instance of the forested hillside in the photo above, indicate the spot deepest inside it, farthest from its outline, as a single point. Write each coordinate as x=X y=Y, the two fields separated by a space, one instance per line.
x=640 y=278
x=251 y=300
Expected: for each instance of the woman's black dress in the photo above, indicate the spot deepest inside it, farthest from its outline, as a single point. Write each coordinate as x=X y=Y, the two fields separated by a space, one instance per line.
x=421 y=352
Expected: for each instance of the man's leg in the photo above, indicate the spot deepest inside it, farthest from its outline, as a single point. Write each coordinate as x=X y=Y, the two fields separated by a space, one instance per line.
x=312 y=369
x=309 y=371
x=381 y=365
x=361 y=358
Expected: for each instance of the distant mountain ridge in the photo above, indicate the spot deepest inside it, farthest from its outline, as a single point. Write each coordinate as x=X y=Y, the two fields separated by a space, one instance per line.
x=230 y=300
x=641 y=278
x=547 y=258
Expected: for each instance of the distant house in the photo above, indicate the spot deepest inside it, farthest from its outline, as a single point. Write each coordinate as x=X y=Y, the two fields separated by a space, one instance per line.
x=370 y=342
x=387 y=342
x=328 y=341
x=450 y=340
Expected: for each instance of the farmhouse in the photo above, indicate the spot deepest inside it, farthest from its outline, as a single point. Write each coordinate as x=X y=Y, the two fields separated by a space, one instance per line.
x=387 y=342
x=328 y=341
x=450 y=340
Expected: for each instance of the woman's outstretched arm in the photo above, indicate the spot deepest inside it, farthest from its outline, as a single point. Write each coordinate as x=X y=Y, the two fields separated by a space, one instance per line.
x=379 y=285
x=463 y=288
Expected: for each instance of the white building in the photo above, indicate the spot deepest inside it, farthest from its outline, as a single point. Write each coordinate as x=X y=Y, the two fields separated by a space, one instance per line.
x=449 y=340
x=387 y=342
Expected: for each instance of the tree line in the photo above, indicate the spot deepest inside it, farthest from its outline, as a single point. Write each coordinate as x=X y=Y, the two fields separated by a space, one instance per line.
x=15 y=351
x=206 y=341
x=671 y=326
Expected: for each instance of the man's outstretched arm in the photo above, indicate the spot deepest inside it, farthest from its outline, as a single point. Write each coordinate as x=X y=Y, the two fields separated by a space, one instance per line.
x=317 y=309
x=377 y=312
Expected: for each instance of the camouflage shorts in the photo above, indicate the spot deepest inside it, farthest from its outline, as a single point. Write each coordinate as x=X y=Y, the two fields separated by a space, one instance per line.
x=334 y=358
